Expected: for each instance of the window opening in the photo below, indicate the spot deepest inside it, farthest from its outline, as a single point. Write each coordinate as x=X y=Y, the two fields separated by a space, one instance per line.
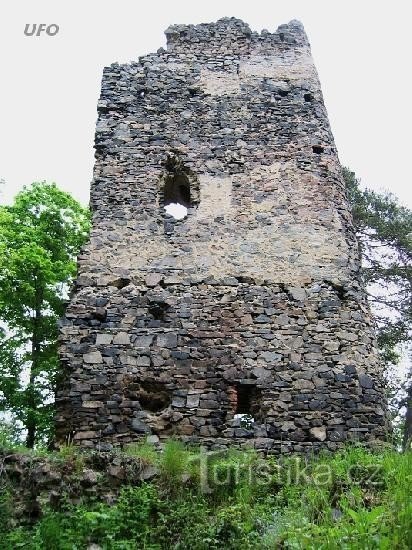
x=179 y=190
x=247 y=405
x=177 y=195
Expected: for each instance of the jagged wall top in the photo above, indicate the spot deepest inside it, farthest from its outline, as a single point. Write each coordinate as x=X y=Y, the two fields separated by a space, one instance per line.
x=231 y=34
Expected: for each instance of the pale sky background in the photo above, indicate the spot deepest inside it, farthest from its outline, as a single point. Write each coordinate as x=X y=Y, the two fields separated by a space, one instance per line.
x=50 y=85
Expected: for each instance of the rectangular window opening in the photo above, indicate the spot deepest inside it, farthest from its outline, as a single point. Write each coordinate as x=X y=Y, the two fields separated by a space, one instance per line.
x=248 y=405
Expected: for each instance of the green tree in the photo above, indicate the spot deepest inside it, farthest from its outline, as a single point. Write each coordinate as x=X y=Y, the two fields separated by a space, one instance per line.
x=40 y=235
x=384 y=231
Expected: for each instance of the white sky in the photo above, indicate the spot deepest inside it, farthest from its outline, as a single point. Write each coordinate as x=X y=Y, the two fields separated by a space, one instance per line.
x=50 y=85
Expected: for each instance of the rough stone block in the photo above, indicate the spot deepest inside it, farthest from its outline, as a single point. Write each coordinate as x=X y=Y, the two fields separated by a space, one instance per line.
x=93 y=358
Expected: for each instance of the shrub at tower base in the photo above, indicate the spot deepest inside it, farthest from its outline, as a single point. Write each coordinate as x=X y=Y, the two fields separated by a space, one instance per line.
x=193 y=499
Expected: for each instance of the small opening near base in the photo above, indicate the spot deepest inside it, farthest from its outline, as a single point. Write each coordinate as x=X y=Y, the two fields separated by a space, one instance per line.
x=152 y=396
x=245 y=420
x=247 y=405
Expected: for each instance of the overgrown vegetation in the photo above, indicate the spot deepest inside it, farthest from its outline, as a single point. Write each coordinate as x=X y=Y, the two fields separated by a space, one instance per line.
x=353 y=499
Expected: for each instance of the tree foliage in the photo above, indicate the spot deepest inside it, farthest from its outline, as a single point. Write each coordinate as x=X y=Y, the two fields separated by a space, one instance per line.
x=40 y=235
x=384 y=231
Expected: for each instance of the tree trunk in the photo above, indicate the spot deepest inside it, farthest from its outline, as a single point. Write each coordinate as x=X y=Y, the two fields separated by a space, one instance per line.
x=31 y=430
x=407 y=437
x=32 y=404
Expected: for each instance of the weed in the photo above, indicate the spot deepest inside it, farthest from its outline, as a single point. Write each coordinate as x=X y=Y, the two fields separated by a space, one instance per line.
x=143 y=450
x=351 y=499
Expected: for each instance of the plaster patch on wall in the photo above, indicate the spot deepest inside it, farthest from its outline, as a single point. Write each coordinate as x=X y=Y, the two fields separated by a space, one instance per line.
x=295 y=65
x=219 y=83
x=215 y=196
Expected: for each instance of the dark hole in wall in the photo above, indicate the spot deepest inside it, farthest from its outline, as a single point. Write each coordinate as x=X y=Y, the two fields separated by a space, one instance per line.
x=340 y=291
x=308 y=97
x=283 y=93
x=248 y=401
x=194 y=91
x=121 y=282
x=158 y=310
x=177 y=190
x=153 y=396
x=100 y=313
x=247 y=280
x=318 y=149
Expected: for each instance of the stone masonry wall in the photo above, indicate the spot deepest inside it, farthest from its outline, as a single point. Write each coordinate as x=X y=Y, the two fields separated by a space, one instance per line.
x=250 y=304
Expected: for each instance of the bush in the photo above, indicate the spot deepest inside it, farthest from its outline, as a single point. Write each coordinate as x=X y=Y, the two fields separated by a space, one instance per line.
x=5 y=509
x=352 y=499
x=9 y=435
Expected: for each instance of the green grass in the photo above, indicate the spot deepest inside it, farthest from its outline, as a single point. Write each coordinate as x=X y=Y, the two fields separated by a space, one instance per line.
x=353 y=499
x=142 y=450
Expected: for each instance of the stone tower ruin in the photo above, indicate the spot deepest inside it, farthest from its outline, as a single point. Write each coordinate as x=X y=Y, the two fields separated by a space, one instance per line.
x=242 y=323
